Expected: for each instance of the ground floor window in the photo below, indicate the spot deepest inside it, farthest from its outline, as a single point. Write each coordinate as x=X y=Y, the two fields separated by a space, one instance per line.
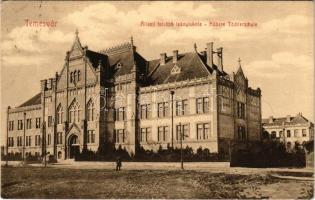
x=120 y=135
x=162 y=133
x=202 y=131
x=144 y=134
x=182 y=129
x=28 y=141
x=37 y=140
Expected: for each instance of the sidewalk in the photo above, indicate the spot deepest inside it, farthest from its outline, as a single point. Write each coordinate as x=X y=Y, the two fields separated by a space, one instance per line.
x=214 y=167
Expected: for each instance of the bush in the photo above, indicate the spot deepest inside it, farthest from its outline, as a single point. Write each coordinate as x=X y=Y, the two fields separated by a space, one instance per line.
x=270 y=154
x=142 y=155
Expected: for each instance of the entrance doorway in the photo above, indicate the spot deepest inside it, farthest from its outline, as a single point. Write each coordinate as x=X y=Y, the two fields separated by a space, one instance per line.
x=74 y=147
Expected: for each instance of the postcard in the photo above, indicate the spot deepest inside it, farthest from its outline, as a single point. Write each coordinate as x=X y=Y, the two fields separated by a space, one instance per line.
x=157 y=99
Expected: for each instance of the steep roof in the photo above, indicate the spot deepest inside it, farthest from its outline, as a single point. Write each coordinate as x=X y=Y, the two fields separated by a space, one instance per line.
x=95 y=58
x=190 y=64
x=35 y=100
x=299 y=119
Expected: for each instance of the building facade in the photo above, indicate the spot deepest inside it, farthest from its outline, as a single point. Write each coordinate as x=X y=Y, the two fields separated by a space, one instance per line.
x=115 y=97
x=289 y=129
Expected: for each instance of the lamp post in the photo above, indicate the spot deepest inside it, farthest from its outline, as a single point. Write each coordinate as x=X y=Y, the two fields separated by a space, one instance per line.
x=7 y=146
x=172 y=114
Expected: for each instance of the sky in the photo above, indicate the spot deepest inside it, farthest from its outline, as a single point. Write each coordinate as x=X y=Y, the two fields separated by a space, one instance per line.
x=276 y=55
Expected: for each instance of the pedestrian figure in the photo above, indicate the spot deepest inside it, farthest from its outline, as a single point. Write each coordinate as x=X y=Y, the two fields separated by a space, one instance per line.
x=118 y=163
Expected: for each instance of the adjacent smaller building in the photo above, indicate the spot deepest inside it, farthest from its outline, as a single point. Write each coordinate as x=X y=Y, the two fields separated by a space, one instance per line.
x=288 y=129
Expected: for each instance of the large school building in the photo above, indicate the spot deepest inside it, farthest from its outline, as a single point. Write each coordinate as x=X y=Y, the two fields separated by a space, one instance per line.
x=115 y=97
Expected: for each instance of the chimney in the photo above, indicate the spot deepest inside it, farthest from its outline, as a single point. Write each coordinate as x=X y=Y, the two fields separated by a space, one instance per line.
x=175 y=56
x=270 y=119
x=288 y=118
x=220 y=58
x=163 y=58
x=210 y=54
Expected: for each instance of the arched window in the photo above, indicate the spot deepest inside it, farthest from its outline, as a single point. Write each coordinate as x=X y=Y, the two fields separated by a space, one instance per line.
x=91 y=111
x=79 y=75
x=59 y=114
x=74 y=76
x=71 y=77
x=74 y=112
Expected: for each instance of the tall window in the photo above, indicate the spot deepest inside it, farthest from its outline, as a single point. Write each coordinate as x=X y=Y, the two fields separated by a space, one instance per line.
x=145 y=111
x=182 y=130
x=288 y=133
x=50 y=121
x=71 y=77
x=49 y=139
x=59 y=138
x=163 y=109
x=145 y=134
x=162 y=133
x=203 y=131
x=74 y=76
x=74 y=112
x=37 y=140
x=28 y=141
x=79 y=75
x=28 y=123
x=120 y=135
x=59 y=114
x=20 y=124
x=19 y=141
x=240 y=110
x=38 y=122
x=119 y=114
x=11 y=125
x=11 y=142
x=202 y=105
x=91 y=136
x=90 y=111
x=181 y=107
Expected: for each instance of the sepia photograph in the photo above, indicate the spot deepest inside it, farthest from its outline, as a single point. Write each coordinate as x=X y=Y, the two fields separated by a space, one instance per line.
x=157 y=100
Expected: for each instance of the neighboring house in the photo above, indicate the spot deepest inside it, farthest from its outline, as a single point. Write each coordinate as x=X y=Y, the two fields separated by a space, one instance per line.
x=116 y=97
x=289 y=129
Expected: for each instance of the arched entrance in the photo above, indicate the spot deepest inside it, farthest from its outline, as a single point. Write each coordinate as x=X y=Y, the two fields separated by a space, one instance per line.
x=73 y=146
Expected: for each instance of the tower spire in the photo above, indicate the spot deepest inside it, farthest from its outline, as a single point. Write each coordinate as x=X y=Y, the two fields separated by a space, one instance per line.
x=131 y=41
x=239 y=62
x=76 y=32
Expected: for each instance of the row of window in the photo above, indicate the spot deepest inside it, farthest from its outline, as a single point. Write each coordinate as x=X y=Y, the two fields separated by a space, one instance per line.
x=28 y=141
x=28 y=124
x=296 y=133
x=202 y=105
x=203 y=133
x=75 y=112
x=75 y=76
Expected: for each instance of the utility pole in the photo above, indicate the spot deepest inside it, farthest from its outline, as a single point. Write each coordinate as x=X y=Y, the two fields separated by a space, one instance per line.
x=24 y=125
x=181 y=146
x=172 y=114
